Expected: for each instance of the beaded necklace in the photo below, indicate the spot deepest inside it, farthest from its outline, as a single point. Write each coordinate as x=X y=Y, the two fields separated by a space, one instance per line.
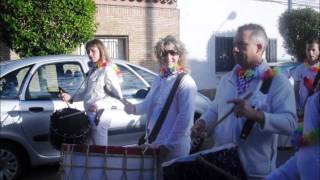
x=244 y=77
x=302 y=140
x=101 y=65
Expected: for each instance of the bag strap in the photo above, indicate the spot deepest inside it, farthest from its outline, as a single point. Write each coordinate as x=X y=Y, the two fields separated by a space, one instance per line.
x=250 y=122
x=155 y=131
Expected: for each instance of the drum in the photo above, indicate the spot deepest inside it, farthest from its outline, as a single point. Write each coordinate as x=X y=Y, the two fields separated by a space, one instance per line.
x=217 y=163
x=69 y=126
x=108 y=162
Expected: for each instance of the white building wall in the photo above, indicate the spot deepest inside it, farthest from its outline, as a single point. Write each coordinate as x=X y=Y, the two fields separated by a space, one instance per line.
x=200 y=20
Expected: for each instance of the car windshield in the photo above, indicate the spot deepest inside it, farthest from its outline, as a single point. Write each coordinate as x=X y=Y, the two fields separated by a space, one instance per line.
x=286 y=67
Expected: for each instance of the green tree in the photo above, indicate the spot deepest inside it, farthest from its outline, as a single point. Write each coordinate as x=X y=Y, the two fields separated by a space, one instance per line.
x=37 y=27
x=296 y=27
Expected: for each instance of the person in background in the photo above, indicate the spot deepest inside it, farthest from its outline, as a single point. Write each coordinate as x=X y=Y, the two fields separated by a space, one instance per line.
x=173 y=139
x=67 y=83
x=305 y=164
x=270 y=114
x=305 y=73
x=101 y=86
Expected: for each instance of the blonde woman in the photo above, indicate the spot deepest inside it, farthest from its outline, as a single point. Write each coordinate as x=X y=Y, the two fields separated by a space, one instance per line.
x=103 y=74
x=173 y=139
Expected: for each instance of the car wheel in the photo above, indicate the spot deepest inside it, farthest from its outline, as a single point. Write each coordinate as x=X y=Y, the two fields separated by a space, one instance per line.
x=13 y=162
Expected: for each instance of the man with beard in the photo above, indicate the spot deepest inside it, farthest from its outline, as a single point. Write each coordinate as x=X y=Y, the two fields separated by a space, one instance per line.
x=255 y=120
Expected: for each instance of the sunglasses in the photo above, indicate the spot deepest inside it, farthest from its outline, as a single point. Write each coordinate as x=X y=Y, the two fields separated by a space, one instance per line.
x=171 y=52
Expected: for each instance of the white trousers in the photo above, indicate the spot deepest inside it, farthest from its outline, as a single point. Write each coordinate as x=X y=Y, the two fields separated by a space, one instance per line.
x=99 y=133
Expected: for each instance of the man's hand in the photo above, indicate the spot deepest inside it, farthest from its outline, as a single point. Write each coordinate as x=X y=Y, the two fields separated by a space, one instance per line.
x=242 y=108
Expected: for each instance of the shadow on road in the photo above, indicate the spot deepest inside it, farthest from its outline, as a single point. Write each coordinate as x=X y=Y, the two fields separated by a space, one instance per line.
x=47 y=172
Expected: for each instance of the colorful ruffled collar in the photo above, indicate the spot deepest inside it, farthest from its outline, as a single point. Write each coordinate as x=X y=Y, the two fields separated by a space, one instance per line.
x=168 y=71
x=308 y=81
x=244 y=77
x=302 y=140
x=314 y=68
x=113 y=66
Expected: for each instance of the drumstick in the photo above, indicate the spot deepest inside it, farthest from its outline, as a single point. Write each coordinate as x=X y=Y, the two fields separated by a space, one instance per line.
x=231 y=110
x=114 y=95
x=69 y=115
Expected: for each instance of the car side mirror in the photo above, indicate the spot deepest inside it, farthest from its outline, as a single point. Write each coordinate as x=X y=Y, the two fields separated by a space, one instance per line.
x=141 y=93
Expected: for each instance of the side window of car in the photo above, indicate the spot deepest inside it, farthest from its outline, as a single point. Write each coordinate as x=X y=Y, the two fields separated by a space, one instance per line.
x=42 y=83
x=11 y=83
x=48 y=78
x=149 y=77
x=72 y=77
x=130 y=80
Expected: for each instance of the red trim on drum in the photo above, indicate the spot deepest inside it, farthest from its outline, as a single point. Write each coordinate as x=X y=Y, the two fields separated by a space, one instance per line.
x=108 y=149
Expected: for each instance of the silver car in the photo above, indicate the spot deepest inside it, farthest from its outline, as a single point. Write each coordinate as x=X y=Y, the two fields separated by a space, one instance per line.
x=29 y=96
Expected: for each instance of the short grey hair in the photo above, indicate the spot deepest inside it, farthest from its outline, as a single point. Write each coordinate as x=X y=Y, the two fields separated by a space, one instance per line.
x=258 y=33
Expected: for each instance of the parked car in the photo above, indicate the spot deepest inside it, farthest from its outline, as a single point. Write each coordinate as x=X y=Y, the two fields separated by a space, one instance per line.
x=285 y=67
x=29 y=95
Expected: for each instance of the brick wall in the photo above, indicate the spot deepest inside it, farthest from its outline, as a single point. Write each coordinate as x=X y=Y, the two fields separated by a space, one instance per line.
x=6 y=53
x=143 y=26
x=143 y=22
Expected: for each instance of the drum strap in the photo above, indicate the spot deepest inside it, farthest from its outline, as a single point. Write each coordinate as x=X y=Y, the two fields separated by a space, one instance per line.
x=249 y=122
x=154 y=133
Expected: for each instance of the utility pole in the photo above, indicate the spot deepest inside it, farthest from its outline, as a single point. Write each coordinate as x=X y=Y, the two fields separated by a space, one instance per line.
x=289 y=5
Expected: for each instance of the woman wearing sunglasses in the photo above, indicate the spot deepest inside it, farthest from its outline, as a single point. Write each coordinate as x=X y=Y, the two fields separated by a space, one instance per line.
x=173 y=138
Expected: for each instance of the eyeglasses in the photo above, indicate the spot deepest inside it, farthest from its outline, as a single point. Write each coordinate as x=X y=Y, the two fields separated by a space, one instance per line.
x=171 y=52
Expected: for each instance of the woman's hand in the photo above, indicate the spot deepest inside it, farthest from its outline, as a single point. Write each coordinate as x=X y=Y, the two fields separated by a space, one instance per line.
x=92 y=108
x=129 y=107
x=163 y=152
x=198 y=133
x=65 y=97
x=198 y=129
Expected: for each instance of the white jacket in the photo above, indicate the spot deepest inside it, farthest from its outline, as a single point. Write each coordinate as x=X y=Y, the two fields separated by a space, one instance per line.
x=94 y=93
x=258 y=152
x=175 y=131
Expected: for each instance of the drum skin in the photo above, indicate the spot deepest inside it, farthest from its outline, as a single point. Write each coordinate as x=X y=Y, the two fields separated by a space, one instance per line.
x=68 y=126
x=217 y=163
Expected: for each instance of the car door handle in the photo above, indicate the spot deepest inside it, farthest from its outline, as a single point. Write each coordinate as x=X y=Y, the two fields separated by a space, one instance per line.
x=36 y=109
